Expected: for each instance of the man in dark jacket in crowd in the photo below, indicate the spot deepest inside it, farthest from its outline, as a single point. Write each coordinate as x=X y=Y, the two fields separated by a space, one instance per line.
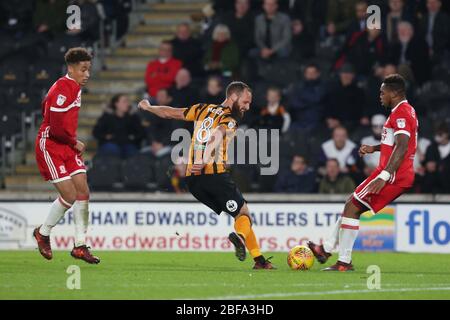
x=118 y=131
x=299 y=179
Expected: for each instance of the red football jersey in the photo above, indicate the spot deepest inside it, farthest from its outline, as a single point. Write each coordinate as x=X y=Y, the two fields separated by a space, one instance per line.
x=402 y=120
x=60 y=112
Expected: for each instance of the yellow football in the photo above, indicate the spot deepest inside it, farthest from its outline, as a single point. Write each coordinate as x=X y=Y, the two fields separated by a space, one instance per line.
x=300 y=258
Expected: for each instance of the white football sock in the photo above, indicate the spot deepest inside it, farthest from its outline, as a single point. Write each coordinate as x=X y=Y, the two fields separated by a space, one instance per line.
x=331 y=242
x=347 y=236
x=81 y=218
x=57 y=211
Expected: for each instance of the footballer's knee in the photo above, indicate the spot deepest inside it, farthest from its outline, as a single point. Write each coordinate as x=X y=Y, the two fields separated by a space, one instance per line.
x=83 y=195
x=69 y=196
x=83 y=192
x=352 y=210
x=244 y=212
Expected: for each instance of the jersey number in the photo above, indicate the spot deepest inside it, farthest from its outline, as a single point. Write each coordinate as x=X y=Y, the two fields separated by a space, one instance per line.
x=204 y=132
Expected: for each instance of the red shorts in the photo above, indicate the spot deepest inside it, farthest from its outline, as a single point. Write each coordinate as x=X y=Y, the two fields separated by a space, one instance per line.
x=57 y=162
x=376 y=202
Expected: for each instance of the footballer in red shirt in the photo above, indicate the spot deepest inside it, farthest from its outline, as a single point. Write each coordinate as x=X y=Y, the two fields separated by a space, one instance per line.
x=59 y=155
x=393 y=176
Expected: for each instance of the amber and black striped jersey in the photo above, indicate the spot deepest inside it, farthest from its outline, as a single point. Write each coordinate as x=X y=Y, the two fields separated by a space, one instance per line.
x=208 y=117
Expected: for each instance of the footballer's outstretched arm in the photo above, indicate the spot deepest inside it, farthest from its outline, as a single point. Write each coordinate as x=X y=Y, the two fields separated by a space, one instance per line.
x=164 y=112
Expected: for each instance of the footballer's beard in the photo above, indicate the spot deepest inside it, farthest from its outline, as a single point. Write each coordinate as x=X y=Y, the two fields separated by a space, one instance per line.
x=236 y=112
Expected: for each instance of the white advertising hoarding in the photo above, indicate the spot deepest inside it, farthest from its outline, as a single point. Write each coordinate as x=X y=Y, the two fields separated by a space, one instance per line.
x=168 y=226
x=423 y=228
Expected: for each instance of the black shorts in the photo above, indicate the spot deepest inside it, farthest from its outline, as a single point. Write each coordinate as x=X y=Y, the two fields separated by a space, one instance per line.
x=217 y=191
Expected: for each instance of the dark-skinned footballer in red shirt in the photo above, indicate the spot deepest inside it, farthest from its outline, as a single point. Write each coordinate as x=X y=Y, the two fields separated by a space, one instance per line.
x=393 y=176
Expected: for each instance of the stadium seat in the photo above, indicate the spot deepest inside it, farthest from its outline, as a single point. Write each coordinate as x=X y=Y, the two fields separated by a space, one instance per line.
x=162 y=171
x=106 y=173
x=22 y=101
x=9 y=123
x=44 y=73
x=13 y=73
x=138 y=173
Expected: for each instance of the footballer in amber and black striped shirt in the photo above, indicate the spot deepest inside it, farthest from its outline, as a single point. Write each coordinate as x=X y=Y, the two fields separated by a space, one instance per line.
x=207 y=177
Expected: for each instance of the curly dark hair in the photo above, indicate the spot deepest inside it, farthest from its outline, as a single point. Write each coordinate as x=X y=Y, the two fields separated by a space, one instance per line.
x=76 y=55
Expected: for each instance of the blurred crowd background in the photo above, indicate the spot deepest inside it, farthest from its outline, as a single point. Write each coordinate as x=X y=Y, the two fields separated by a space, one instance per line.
x=314 y=66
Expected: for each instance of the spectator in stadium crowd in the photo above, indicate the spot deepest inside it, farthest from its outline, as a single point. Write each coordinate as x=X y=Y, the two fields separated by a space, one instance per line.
x=371 y=160
x=363 y=51
x=358 y=24
x=118 y=131
x=222 y=56
x=299 y=179
x=241 y=25
x=49 y=17
x=183 y=95
x=160 y=152
x=307 y=99
x=435 y=29
x=303 y=46
x=410 y=53
x=274 y=115
x=372 y=104
x=272 y=32
x=310 y=12
x=214 y=91
x=421 y=151
x=161 y=73
x=188 y=50
x=341 y=148
x=117 y=11
x=91 y=14
x=346 y=100
x=182 y=92
x=397 y=13
x=334 y=181
x=155 y=126
x=437 y=162
x=178 y=178
x=340 y=15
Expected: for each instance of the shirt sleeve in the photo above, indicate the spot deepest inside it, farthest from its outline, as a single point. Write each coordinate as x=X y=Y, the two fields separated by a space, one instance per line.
x=190 y=114
x=229 y=123
x=60 y=99
x=402 y=122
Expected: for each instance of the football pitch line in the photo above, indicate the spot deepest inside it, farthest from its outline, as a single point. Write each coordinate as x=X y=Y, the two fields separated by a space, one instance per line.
x=320 y=293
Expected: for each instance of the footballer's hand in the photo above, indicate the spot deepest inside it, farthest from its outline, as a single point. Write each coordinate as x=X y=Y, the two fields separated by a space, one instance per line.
x=144 y=105
x=80 y=146
x=197 y=168
x=365 y=149
x=375 y=186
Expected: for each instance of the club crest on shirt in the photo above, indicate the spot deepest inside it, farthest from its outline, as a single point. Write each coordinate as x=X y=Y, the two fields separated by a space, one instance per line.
x=401 y=123
x=60 y=100
x=231 y=124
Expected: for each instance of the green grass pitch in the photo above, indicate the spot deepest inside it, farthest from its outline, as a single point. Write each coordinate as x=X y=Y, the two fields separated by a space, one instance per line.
x=176 y=275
